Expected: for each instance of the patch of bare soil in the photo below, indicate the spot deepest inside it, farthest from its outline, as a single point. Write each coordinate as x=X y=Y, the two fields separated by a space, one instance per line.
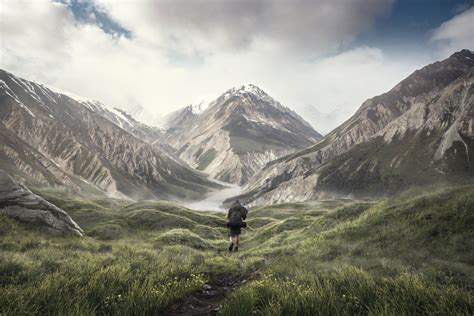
x=206 y=301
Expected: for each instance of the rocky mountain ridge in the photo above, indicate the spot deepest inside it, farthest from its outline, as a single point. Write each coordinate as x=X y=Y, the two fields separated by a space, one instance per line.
x=418 y=132
x=237 y=134
x=51 y=138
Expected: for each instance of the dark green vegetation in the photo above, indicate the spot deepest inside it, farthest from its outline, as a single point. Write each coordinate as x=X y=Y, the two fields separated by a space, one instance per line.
x=411 y=254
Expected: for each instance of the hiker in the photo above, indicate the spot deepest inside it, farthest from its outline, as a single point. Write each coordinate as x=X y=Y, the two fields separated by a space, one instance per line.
x=236 y=215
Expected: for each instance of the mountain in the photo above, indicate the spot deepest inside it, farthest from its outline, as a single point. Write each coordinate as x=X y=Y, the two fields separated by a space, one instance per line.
x=48 y=137
x=126 y=121
x=237 y=134
x=418 y=133
x=176 y=121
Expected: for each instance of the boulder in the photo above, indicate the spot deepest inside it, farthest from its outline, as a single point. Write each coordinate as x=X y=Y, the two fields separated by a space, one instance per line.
x=19 y=203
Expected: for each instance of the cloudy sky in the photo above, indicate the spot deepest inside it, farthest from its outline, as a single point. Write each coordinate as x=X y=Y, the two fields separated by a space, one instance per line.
x=322 y=58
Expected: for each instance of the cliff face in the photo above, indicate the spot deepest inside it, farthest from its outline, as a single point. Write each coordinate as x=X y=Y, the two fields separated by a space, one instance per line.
x=418 y=132
x=51 y=138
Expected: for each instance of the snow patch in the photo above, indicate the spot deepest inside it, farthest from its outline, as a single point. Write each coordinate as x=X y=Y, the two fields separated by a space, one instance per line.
x=249 y=89
x=12 y=94
x=25 y=86
x=66 y=93
x=121 y=118
x=45 y=92
x=197 y=109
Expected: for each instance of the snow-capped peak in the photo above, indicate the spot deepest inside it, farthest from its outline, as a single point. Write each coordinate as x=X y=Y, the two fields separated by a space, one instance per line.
x=244 y=91
x=37 y=89
x=251 y=89
x=113 y=114
x=248 y=88
x=197 y=109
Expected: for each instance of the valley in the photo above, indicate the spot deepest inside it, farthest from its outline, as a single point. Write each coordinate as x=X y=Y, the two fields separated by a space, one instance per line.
x=409 y=254
x=237 y=158
x=101 y=214
x=420 y=132
x=214 y=200
x=417 y=133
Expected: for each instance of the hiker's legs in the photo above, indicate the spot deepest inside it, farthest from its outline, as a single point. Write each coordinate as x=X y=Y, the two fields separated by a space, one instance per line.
x=232 y=242
x=237 y=240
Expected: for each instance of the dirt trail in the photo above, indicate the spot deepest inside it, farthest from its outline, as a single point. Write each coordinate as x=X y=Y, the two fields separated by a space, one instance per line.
x=206 y=301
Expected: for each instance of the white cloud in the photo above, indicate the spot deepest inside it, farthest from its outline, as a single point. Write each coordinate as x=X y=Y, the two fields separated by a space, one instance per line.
x=455 y=34
x=147 y=70
x=310 y=26
x=33 y=34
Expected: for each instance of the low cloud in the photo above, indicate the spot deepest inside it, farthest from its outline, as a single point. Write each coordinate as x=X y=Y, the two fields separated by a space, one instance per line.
x=455 y=34
x=156 y=70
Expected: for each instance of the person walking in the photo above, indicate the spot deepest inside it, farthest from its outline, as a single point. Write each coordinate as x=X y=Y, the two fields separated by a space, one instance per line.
x=236 y=216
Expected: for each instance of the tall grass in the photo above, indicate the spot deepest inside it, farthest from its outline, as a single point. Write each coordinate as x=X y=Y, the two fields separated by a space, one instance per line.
x=410 y=254
x=348 y=291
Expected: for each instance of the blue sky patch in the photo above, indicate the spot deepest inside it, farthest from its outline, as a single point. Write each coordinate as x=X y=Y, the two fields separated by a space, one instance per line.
x=410 y=23
x=87 y=11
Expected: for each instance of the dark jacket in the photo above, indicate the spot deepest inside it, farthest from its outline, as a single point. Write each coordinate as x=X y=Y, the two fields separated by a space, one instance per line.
x=237 y=213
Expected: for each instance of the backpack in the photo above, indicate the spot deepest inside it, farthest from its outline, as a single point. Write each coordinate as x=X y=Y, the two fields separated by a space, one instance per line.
x=235 y=224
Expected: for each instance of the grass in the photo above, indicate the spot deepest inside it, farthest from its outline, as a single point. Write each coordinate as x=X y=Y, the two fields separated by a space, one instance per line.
x=409 y=254
x=346 y=291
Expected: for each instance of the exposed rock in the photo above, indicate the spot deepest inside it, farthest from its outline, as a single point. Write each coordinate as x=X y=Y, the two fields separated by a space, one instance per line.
x=237 y=134
x=419 y=132
x=17 y=202
x=50 y=137
x=125 y=121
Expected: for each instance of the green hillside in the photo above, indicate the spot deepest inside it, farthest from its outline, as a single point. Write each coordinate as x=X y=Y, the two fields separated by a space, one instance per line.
x=411 y=254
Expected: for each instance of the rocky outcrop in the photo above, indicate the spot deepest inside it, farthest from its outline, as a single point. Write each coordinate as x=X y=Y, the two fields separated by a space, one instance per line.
x=238 y=133
x=417 y=133
x=17 y=202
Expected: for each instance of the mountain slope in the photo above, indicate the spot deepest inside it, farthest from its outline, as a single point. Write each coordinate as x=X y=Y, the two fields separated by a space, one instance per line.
x=51 y=138
x=178 y=120
x=418 y=132
x=238 y=134
x=124 y=120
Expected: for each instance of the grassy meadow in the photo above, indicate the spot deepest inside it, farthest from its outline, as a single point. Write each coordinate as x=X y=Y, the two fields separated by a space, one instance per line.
x=410 y=254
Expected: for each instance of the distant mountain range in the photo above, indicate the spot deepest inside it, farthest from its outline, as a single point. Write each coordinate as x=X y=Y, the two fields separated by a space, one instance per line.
x=237 y=134
x=49 y=137
x=420 y=132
